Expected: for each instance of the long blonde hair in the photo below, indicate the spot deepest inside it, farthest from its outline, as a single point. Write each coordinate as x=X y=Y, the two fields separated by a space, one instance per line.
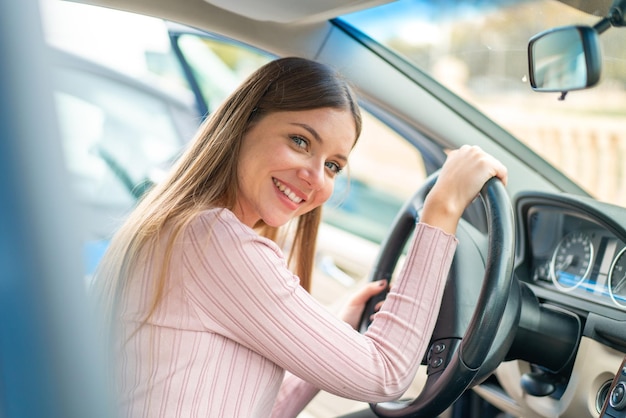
x=206 y=174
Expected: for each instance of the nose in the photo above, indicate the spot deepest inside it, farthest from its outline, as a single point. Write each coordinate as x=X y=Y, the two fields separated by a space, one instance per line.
x=313 y=174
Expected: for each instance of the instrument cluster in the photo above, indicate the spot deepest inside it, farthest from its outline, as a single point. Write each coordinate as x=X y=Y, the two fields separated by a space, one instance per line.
x=576 y=254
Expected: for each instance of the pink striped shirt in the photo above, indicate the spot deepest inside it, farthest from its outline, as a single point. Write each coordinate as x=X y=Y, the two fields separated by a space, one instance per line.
x=234 y=318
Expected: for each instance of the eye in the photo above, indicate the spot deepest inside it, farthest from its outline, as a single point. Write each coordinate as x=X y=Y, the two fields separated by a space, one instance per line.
x=334 y=167
x=300 y=142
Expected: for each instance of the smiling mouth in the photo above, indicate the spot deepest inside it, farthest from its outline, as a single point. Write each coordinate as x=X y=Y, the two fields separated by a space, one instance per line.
x=287 y=192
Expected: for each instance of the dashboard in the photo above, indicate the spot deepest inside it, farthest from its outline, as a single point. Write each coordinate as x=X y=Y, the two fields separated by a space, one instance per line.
x=573 y=247
x=567 y=355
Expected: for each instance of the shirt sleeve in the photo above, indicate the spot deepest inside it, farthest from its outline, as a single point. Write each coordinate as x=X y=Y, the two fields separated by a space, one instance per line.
x=240 y=286
x=294 y=395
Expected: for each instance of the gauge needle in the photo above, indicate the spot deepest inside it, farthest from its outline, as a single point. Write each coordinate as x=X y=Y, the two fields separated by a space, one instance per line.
x=620 y=284
x=568 y=261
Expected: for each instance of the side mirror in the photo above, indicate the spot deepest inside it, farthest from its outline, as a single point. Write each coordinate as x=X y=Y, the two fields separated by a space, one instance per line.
x=564 y=59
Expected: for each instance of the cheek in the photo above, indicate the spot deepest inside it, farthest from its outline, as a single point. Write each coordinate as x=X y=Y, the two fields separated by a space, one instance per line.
x=324 y=194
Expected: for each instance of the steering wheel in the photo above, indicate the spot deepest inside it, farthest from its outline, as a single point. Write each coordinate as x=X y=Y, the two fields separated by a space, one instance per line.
x=456 y=352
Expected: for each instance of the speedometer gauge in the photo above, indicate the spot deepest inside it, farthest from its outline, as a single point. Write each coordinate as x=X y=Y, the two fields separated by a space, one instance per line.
x=571 y=261
x=617 y=279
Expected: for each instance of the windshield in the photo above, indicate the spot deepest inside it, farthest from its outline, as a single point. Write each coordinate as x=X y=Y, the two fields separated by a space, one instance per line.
x=478 y=50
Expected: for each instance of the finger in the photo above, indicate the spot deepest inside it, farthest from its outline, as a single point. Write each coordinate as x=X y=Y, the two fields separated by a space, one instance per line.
x=368 y=291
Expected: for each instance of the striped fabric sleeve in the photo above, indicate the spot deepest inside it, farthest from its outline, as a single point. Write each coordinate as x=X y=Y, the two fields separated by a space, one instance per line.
x=240 y=287
x=294 y=395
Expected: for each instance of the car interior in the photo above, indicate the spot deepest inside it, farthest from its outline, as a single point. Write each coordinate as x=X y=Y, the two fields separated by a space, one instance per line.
x=533 y=319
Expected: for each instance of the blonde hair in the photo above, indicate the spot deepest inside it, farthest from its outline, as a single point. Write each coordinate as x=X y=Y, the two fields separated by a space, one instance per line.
x=206 y=174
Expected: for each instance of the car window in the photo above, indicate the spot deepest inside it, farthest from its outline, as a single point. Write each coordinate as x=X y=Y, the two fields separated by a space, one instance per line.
x=120 y=128
x=218 y=65
x=583 y=135
x=116 y=131
x=365 y=202
x=118 y=137
x=132 y=44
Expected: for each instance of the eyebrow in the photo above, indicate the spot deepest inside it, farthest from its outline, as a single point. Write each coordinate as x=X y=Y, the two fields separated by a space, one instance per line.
x=317 y=137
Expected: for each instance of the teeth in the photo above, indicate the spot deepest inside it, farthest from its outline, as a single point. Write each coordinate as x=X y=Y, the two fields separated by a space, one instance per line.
x=287 y=192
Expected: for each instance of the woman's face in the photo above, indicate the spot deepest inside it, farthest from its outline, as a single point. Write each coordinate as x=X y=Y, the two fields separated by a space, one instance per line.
x=289 y=161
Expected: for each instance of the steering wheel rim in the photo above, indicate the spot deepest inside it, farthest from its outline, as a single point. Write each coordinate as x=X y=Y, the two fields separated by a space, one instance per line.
x=463 y=360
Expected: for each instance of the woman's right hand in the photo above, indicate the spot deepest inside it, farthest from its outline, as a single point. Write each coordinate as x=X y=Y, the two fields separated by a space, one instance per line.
x=462 y=176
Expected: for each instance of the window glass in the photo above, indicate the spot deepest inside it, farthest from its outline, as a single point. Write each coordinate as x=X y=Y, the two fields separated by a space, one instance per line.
x=583 y=135
x=132 y=44
x=218 y=65
x=114 y=135
x=118 y=139
x=381 y=175
x=124 y=110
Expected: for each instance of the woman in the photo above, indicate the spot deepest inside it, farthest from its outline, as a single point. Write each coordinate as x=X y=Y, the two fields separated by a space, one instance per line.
x=206 y=312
